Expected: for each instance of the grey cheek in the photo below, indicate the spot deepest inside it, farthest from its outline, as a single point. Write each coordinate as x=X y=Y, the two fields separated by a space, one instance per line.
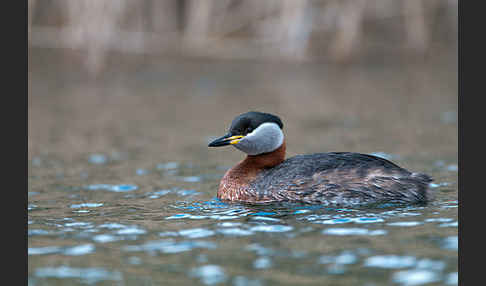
x=242 y=145
x=249 y=145
x=246 y=146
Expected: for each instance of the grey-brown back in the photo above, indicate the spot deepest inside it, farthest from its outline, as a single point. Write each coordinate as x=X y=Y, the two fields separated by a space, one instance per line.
x=341 y=178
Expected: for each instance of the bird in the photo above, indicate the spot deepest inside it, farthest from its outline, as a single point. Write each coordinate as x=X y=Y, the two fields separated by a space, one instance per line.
x=329 y=179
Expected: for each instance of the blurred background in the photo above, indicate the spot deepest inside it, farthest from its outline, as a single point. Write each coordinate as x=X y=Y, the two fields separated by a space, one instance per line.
x=158 y=79
x=125 y=95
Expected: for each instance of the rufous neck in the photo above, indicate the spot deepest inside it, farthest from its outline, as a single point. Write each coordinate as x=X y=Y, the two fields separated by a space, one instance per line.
x=267 y=160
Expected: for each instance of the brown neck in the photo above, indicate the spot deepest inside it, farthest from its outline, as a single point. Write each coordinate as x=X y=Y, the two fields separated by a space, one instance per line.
x=266 y=160
x=234 y=183
x=252 y=164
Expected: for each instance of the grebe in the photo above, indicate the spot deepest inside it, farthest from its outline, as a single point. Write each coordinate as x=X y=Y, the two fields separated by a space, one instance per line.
x=335 y=178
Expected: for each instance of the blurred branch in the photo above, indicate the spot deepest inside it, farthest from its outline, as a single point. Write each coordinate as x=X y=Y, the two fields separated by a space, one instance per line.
x=273 y=29
x=349 y=25
x=416 y=26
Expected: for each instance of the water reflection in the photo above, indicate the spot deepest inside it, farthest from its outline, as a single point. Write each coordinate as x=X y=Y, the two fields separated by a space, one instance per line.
x=86 y=275
x=72 y=251
x=353 y=231
x=215 y=242
x=112 y=188
x=415 y=277
x=170 y=246
x=209 y=274
x=390 y=261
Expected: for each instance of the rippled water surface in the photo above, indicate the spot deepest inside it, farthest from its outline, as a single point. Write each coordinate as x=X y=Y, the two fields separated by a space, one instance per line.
x=113 y=202
x=109 y=233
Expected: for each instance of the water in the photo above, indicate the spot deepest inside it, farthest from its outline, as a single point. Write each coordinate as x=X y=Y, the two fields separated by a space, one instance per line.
x=121 y=188
x=190 y=237
x=195 y=238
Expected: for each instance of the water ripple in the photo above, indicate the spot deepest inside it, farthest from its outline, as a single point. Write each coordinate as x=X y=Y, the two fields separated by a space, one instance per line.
x=131 y=230
x=353 y=231
x=104 y=238
x=451 y=224
x=262 y=263
x=97 y=159
x=209 y=274
x=271 y=228
x=31 y=232
x=415 y=277
x=243 y=281
x=450 y=243
x=79 y=250
x=112 y=188
x=178 y=216
x=359 y=220
x=264 y=218
x=76 y=250
x=390 y=261
x=86 y=205
x=196 y=232
x=43 y=250
x=170 y=246
x=346 y=257
x=405 y=223
x=167 y=166
x=452 y=278
x=235 y=231
x=87 y=275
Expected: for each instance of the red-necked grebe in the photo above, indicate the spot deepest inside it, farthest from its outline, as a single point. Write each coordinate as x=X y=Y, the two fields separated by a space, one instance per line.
x=334 y=178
